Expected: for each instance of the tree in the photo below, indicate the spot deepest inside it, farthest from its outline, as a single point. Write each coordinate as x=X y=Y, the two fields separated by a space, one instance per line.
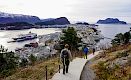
x=24 y=62
x=7 y=61
x=70 y=38
x=32 y=59
x=113 y=42
x=126 y=37
x=119 y=38
x=130 y=29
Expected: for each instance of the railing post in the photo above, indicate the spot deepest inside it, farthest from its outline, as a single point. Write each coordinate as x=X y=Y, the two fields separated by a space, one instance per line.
x=59 y=68
x=46 y=72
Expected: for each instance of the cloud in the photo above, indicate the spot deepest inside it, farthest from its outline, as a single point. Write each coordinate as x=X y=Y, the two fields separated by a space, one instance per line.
x=73 y=9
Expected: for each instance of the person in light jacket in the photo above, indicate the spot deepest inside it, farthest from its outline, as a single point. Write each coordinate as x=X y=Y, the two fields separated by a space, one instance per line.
x=66 y=57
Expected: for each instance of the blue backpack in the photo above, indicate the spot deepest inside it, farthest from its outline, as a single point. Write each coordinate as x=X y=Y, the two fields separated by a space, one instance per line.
x=85 y=50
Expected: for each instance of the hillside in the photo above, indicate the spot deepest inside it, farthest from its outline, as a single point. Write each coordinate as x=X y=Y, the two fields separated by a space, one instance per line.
x=57 y=21
x=113 y=65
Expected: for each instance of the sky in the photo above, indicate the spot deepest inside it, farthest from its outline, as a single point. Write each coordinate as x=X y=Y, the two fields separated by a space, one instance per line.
x=74 y=10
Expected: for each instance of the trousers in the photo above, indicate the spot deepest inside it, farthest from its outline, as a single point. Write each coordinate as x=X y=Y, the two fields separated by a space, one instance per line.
x=65 y=66
x=85 y=56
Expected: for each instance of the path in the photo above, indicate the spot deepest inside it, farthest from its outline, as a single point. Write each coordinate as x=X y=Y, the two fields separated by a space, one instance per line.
x=75 y=69
x=87 y=73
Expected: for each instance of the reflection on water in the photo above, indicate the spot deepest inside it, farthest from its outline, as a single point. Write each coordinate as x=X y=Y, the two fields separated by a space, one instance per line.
x=8 y=35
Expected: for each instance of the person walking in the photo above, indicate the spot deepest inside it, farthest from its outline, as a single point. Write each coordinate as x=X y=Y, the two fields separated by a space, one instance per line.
x=66 y=57
x=93 y=51
x=85 y=52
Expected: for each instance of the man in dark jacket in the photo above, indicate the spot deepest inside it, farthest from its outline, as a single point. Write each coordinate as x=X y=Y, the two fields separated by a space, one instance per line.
x=93 y=51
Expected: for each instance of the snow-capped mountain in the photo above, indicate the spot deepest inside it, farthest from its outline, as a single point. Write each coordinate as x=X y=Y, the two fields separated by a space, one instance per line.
x=7 y=18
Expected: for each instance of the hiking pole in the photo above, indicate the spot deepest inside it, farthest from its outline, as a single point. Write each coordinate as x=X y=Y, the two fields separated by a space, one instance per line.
x=59 y=61
x=46 y=72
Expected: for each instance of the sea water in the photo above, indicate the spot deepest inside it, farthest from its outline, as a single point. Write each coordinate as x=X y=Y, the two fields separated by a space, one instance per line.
x=7 y=35
x=110 y=31
x=107 y=30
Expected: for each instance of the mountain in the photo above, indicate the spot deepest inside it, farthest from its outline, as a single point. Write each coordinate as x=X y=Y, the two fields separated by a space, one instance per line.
x=57 y=21
x=8 y=18
x=48 y=19
x=111 y=21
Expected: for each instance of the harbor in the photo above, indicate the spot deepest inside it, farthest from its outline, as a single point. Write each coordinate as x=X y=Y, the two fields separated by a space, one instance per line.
x=45 y=45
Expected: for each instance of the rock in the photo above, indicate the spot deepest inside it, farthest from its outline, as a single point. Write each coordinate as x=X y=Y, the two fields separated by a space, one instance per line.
x=129 y=56
x=119 y=61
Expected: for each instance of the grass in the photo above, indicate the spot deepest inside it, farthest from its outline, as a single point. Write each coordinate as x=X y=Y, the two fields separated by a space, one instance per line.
x=105 y=72
x=37 y=72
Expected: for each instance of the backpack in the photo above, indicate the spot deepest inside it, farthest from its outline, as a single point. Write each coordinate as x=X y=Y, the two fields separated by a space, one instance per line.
x=65 y=55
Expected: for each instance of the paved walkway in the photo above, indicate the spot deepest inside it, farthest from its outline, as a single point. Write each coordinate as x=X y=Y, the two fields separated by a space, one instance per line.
x=75 y=69
x=88 y=73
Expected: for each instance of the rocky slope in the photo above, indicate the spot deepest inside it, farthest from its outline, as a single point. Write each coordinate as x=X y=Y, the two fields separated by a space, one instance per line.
x=108 y=65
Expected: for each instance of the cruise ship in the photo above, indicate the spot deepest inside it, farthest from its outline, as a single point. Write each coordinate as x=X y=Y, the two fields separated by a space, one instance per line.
x=23 y=37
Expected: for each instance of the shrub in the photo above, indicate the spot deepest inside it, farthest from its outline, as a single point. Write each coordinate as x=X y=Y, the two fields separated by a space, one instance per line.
x=51 y=71
x=93 y=66
x=32 y=59
x=6 y=73
x=118 y=55
x=24 y=62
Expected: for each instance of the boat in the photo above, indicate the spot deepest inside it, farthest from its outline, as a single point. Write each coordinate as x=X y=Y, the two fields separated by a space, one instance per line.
x=23 y=37
x=11 y=41
x=19 y=40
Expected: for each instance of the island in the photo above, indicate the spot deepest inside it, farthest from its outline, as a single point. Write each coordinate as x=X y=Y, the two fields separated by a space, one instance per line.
x=111 y=21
